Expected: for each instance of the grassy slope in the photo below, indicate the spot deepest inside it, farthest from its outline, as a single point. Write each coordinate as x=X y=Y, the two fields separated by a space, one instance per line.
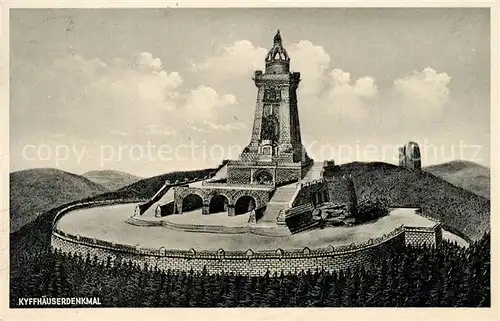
x=36 y=191
x=146 y=188
x=467 y=175
x=111 y=179
x=461 y=211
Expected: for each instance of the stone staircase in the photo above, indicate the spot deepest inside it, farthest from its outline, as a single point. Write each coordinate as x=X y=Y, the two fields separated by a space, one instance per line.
x=279 y=201
x=167 y=197
x=283 y=195
x=314 y=172
x=165 y=194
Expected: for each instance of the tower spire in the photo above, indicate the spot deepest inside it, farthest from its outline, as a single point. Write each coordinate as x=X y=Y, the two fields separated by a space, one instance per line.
x=277 y=38
x=277 y=60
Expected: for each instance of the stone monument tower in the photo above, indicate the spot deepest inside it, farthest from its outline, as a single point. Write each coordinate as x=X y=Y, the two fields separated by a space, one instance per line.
x=275 y=146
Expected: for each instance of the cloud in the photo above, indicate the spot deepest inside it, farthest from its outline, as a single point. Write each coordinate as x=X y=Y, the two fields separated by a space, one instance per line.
x=201 y=130
x=143 y=82
x=129 y=99
x=147 y=61
x=204 y=102
x=119 y=132
x=226 y=127
x=312 y=62
x=109 y=89
x=241 y=58
x=209 y=127
x=140 y=87
x=236 y=59
x=158 y=130
x=363 y=87
x=331 y=90
x=424 y=93
x=346 y=98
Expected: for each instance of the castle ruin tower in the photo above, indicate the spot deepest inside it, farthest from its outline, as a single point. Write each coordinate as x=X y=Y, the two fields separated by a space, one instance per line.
x=276 y=135
x=409 y=156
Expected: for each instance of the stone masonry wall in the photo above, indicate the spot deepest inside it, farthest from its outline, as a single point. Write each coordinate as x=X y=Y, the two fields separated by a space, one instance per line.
x=419 y=236
x=308 y=190
x=243 y=262
x=287 y=174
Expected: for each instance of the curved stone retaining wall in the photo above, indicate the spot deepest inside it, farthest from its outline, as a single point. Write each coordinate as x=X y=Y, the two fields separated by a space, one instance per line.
x=243 y=262
x=249 y=262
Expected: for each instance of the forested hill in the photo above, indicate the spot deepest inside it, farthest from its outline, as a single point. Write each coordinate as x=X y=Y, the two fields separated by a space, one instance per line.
x=35 y=191
x=467 y=175
x=463 y=212
x=111 y=179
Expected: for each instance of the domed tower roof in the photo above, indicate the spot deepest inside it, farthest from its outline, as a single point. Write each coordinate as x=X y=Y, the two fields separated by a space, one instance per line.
x=277 y=59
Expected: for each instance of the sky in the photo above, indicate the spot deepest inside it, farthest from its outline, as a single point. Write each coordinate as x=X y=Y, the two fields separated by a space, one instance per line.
x=149 y=91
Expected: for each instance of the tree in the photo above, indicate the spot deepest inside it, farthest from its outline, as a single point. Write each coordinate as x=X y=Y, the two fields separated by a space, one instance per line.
x=371 y=208
x=286 y=291
x=364 y=287
x=301 y=289
x=247 y=288
x=349 y=290
x=336 y=293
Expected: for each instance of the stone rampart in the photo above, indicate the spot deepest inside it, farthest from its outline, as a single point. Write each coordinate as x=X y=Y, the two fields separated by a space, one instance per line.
x=244 y=262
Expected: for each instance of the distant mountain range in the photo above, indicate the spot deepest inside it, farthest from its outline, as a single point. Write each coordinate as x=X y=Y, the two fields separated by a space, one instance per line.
x=35 y=191
x=111 y=179
x=467 y=175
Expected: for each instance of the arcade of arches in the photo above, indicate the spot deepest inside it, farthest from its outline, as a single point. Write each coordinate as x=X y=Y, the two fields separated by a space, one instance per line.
x=219 y=203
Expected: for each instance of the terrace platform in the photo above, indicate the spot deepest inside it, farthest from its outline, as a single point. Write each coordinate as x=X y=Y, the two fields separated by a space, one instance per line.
x=109 y=223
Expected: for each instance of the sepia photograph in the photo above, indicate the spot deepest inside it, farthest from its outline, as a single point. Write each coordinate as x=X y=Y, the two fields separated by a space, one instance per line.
x=240 y=157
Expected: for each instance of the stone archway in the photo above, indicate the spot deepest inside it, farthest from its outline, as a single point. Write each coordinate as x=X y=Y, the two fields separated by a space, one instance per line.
x=191 y=202
x=218 y=203
x=244 y=204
